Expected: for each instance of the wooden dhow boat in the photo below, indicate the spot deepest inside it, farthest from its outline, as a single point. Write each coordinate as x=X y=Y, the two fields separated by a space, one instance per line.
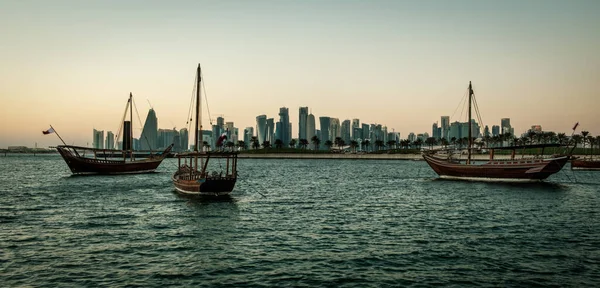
x=585 y=164
x=194 y=176
x=532 y=168
x=85 y=160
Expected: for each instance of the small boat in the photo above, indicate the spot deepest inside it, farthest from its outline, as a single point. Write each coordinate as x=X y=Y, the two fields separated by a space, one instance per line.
x=585 y=164
x=536 y=168
x=82 y=160
x=588 y=162
x=193 y=176
x=85 y=160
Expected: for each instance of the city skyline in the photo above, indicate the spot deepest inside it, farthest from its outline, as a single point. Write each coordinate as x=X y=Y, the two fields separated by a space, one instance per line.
x=395 y=62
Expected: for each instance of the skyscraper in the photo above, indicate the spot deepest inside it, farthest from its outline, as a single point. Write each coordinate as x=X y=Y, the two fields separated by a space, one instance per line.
x=354 y=127
x=184 y=139
x=248 y=134
x=412 y=137
x=283 y=126
x=334 y=129
x=207 y=136
x=365 y=132
x=217 y=131
x=230 y=130
x=445 y=125
x=324 y=122
x=261 y=128
x=310 y=127
x=165 y=138
x=221 y=122
x=495 y=130
x=505 y=126
x=435 y=131
x=149 y=137
x=346 y=131
x=270 y=130
x=110 y=140
x=302 y=122
x=98 y=140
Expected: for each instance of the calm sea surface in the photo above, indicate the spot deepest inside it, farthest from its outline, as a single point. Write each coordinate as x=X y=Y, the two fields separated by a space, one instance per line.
x=300 y=223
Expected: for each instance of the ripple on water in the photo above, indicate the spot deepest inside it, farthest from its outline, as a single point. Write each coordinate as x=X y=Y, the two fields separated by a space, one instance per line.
x=301 y=223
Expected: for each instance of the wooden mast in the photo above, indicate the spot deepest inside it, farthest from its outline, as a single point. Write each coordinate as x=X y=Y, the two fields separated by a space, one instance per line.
x=197 y=108
x=131 y=125
x=470 y=125
x=197 y=118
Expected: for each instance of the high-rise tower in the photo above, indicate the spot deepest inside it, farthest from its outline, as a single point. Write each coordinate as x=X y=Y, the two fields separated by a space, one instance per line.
x=324 y=122
x=310 y=127
x=283 y=126
x=302 y=122
x=149 y=135
x=261 y=128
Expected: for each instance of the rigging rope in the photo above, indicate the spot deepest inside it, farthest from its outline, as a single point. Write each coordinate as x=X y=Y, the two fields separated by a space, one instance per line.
x=139 y=119
x=460 y=104
x=206 y=100
x=477 y=113
x=121 y=124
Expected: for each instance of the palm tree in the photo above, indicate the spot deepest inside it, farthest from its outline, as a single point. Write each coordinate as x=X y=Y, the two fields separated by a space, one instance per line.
x=562 y=138
x=241 y=145
x=278 y=144
x=266 y=144
x=367 y=144
x=531 y=134
x=353 y=145
x=254 y=142
x=584 y=134
x=293 y=143
x=230 y=145
x=516 y=141
x=316 y=141
x=303 y=143
x=431 y=141
x=405 y=143
x=444 y=142
x=379 y=144
x=550 y=137
x=453 y=141
x=328 y=143
x=576 y=139
x=590 y=139
x=339 y=142
x=391 y=144
x=418 y=143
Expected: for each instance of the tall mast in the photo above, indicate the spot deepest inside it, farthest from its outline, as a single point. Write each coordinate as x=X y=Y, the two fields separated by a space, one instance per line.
x=470 y=126
x=197 y=109
x=131 y=123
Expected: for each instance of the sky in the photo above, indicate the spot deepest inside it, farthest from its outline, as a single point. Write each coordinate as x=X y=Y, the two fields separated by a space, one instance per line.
x=402 y=64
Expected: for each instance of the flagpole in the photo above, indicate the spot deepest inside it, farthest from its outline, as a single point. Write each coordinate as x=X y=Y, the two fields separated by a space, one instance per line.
x=58 y=135
x=573 y=133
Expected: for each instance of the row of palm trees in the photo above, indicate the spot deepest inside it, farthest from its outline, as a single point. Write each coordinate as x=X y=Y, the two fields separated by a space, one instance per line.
x=530 y=138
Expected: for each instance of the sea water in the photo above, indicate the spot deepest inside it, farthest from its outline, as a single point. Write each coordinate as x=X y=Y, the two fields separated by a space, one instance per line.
x=299 y=223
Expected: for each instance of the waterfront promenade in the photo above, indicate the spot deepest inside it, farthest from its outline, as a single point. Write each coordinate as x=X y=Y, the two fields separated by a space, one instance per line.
x=344 y=156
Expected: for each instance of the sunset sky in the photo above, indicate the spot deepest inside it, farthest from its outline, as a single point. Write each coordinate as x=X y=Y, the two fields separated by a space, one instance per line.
x=402 y=64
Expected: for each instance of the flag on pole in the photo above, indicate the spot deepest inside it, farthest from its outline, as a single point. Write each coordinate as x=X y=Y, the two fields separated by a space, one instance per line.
x=576 y=124
x=222 y=138
x=51 y=130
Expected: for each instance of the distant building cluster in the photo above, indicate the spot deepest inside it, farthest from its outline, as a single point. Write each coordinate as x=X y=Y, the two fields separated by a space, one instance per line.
x=268 y=132
x=151 y=139
x=331 y=131
x=459 y=130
